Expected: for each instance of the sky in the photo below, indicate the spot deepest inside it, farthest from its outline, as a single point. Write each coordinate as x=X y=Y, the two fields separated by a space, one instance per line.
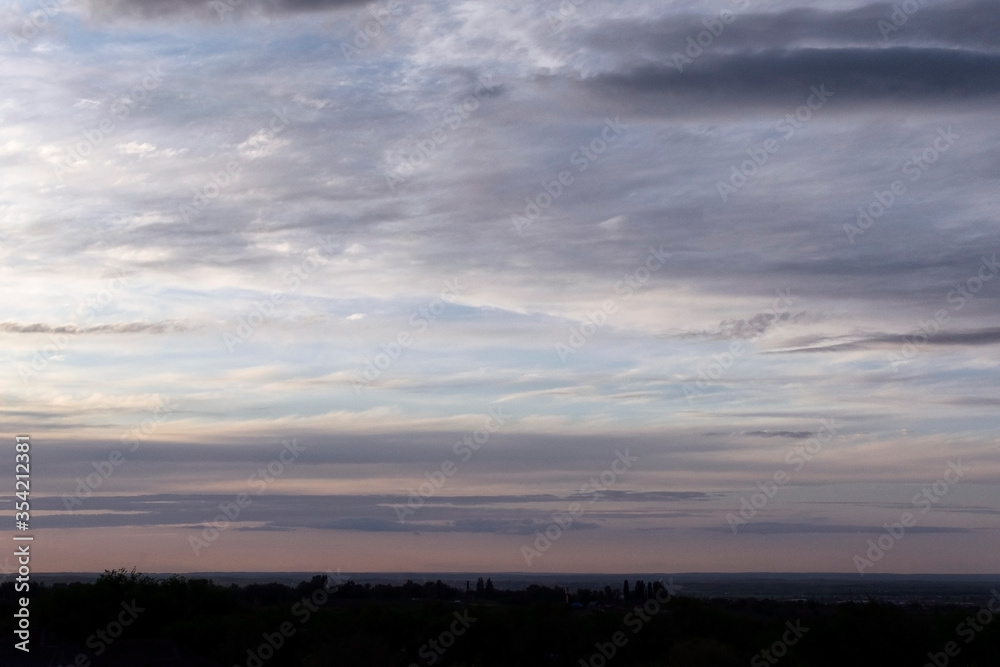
x=489 y=286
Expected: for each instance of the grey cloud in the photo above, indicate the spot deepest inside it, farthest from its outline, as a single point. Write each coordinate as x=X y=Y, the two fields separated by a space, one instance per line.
x=368 y=525
x=837 y=347
x=744 y=328
x=181 y=504
x=786 y=77
x=970 y=23
x=757 y=325
x=981 y=401
x=469 y=525
x=116 y=328
x=771 y=527
x=590 y=455
x=283 y=513
x=975 y=337
x=943 y=53
x=620 y=495
x=159 y=9
x=506 y=527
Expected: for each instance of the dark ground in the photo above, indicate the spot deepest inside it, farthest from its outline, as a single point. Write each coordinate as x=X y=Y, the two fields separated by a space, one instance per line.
x=124 y=618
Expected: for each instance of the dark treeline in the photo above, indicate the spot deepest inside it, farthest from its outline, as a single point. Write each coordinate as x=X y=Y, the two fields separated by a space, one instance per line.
x=125 y=618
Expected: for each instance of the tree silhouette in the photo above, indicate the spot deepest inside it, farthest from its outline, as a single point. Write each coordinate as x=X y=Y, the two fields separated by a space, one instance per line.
x=388 y=624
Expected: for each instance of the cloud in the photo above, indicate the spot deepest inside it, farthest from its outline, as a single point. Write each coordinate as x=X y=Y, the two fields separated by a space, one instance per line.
x=782 y=78
x=772 y=528
x=972 y=24
x=144 y=150
x=116 y=328
x=371 y=525
x=209 y=9
x=470 y=525
x=136 y=148
x=282 y=513
x=622 y=495
x=261 y=144
x=977 y=337
x=798 y=435
x=944 y=54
